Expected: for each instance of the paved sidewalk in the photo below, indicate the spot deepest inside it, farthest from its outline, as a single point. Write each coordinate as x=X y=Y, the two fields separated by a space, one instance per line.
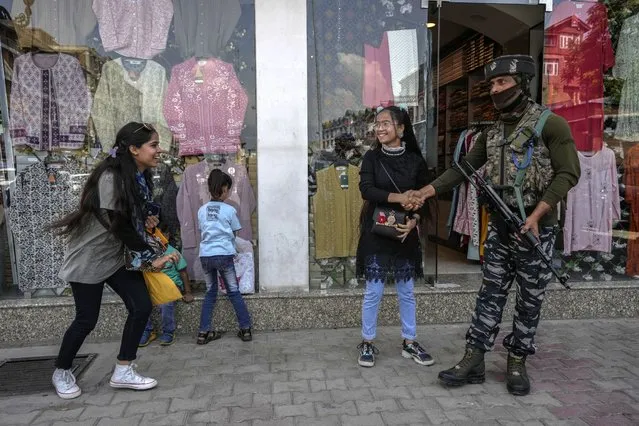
x=586 y=372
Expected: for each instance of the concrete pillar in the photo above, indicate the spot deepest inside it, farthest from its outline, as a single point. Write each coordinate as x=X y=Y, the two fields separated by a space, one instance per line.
x=282 y=121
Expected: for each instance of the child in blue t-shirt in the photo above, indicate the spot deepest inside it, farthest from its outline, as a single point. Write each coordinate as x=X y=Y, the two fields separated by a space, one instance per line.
x=218 y=225
x=177 y=273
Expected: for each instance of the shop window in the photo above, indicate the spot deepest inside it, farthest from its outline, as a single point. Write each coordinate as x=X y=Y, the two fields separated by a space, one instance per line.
x=190 y=75
x=595 y=91
x=363 y=55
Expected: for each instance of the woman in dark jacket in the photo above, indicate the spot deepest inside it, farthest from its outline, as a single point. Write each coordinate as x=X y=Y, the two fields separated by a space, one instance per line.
x=393 y=167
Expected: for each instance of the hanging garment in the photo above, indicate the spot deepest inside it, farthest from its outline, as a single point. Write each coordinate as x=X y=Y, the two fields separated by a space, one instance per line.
x=459 y=196
x=124 y=95
x=244 y=268
x=205 y=106
x=193 y=194
x=462 y=224
x=631 y=181
x=69 y=22
x=404 y=65
x=473 y=198
x=50 y=102
x=137 y=29
x=577 y=54
x=336 y=213
x=204 y=27
x=377 y=88
x=165 y=194
x=627 y=68
x=43 y=194
x=593 y=204
x=466 y=220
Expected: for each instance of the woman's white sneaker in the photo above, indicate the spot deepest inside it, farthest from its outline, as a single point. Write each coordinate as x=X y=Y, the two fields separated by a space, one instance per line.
x=125 y=377
x=64 y=384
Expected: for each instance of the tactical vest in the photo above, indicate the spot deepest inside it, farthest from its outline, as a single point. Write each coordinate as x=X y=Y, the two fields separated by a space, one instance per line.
x=520 y=164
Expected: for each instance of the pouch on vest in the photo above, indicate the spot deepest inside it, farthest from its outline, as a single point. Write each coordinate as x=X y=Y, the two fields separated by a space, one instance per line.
x=524 y=138
x=524 y=143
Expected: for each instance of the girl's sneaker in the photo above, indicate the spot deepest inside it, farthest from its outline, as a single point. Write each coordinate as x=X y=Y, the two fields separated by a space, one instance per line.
x=367 y=352
x=415 y=351
x=64 y=383
x=167 y=339
x=126 y=377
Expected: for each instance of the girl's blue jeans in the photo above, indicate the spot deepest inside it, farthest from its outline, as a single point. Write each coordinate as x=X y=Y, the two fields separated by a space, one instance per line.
x=223 y=265
x=370 y=308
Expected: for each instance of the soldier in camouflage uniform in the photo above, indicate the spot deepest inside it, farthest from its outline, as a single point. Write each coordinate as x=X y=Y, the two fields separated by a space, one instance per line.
x=531 y=159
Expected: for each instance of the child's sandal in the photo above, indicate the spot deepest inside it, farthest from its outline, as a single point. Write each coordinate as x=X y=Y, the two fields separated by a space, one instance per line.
x=204 y=337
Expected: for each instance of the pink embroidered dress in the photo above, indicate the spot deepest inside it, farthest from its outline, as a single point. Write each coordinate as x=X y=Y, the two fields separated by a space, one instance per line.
x=593 y=204
x=205 y=106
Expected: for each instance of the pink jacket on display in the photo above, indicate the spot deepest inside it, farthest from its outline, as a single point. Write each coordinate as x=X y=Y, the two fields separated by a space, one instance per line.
x=204 y=107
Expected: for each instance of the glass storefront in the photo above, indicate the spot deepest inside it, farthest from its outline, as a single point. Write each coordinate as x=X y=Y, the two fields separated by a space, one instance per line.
x=429 y=59
x=76 y=71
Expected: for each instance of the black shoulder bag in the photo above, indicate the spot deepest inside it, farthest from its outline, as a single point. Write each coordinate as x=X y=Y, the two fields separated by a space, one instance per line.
x=385 y=219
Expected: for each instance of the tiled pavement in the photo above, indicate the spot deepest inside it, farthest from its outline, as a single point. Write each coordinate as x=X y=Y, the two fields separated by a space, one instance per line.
x=586 y=372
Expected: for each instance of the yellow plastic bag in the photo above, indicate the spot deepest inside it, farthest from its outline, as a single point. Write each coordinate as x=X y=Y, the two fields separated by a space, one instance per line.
x=161 y=288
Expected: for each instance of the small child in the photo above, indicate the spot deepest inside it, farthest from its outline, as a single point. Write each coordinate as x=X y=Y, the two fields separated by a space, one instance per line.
x=218 y=225
x=180 y=277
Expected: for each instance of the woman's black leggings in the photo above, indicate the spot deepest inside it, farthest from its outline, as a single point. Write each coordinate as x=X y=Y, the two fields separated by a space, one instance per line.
x=130 y=286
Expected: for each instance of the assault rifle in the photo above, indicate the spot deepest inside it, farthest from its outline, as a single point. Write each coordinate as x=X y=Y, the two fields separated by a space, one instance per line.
x=514 y=222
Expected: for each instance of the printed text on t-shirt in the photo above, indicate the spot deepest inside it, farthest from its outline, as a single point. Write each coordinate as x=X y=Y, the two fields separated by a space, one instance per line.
x=212 y=212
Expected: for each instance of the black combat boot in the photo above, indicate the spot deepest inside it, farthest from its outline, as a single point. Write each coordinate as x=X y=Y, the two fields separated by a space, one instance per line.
x=471 y=369
x=517 y=381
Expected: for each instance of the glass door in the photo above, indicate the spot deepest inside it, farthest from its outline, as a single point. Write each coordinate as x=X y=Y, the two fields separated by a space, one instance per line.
x=467 y=36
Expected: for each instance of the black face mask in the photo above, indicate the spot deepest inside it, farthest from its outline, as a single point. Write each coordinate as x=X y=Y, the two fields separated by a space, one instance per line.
x=504 y=99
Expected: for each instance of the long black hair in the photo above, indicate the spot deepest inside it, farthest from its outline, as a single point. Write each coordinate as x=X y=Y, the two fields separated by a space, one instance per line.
x=129 y=199
x=400 y=116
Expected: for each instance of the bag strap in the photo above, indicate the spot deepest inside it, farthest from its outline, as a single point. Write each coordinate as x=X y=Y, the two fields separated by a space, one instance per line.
x=521 y=171
x=389 y=176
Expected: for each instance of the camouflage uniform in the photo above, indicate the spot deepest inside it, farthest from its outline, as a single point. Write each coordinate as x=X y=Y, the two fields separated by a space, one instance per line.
x=530 y=157
x=506 y=259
